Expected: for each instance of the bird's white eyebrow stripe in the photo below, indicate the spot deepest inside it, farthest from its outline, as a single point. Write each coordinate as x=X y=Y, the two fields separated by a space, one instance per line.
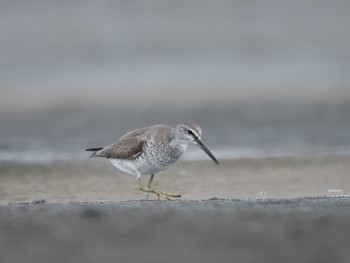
x=196 y=136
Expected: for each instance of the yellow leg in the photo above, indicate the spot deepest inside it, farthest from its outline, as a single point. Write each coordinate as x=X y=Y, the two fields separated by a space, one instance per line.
x=150 y=181
x=159 y=193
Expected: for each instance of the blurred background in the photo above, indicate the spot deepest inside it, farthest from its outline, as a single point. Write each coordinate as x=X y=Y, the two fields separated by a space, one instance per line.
x=260 y=77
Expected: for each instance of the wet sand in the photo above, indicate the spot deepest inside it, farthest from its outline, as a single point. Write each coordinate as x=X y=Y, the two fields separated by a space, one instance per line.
x=216 y=230
x=290 y=209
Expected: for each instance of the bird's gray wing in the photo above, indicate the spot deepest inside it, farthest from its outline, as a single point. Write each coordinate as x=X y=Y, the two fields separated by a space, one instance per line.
x=127 y=147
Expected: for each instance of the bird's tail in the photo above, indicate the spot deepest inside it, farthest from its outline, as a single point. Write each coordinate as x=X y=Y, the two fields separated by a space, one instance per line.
x=94 y=150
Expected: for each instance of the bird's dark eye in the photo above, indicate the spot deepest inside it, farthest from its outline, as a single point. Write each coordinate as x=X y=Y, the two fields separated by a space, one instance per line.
x=189 y=132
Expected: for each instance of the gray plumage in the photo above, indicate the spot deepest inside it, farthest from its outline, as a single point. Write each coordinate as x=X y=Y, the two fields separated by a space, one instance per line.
x=152 y=149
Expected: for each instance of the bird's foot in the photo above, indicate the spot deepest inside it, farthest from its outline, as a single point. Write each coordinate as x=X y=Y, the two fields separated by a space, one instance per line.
x=166 y=195
x=160 y=194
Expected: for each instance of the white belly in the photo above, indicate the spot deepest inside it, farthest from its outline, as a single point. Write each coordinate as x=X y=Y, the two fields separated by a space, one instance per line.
x=136 y=168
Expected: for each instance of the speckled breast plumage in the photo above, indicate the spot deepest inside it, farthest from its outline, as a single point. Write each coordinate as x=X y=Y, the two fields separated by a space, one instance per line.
x=155 y=157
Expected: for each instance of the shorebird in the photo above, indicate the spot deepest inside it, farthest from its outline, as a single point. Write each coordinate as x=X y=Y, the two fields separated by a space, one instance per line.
x=150 y=150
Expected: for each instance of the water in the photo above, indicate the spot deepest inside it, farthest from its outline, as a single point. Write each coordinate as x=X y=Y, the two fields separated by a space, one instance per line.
x=230 y=131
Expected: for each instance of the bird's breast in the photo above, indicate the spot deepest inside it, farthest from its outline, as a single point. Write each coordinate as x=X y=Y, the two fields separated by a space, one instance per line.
x=163 y=154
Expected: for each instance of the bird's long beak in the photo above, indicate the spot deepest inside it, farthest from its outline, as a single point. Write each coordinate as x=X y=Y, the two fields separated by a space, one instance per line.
x=206 y=150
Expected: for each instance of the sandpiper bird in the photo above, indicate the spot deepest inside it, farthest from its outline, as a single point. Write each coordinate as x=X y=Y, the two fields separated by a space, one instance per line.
x=150 y=150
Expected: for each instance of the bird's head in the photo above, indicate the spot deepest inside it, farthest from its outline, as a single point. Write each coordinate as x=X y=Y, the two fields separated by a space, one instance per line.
x=191 y=134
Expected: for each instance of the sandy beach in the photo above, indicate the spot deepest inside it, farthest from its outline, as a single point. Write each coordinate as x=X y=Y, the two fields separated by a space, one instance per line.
x=256 y=178
x=285 y=209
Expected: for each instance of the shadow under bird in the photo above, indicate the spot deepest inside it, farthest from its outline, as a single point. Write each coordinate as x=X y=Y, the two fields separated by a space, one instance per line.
x=152 y=149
